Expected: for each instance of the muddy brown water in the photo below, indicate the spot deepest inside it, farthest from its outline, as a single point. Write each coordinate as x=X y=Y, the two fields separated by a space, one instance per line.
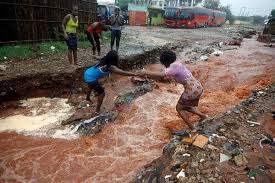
x=140 y=132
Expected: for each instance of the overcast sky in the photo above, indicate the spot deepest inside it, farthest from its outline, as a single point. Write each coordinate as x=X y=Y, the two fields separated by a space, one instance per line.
x=253 y=7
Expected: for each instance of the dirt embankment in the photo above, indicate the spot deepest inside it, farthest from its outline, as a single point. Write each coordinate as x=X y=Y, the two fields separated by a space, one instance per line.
x=240 y=147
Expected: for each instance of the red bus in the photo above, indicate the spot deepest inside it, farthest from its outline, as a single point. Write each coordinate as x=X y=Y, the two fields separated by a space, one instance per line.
x=193 y=17
x=217 y=18
x=170 y=16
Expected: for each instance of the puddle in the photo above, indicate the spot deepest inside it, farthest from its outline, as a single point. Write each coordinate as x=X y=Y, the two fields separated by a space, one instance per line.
x=37 y=116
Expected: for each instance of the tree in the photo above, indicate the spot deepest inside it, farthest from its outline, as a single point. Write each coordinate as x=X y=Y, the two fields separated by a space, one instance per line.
x=228 y=12
x=258 y=20
x=212 y=4
x=272 y=13
x=215 y=5
x=123 y=3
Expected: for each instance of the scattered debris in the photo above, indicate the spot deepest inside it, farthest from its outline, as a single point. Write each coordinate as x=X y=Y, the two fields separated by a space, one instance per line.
x=200 y=141
x=187 y=140
x=217 y=53
x=253 y=123
x=181 y=133
x=204 y=58
x=181 y=174
x=252 y=174
x=240 y=160
x=224 y=158
x=3 y=67
x=187 y=155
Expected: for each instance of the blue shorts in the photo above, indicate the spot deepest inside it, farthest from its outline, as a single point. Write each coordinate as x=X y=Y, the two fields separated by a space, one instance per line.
x=72 y=41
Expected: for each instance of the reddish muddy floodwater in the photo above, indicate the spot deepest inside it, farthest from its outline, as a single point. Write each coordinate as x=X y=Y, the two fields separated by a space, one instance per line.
x=138 y=135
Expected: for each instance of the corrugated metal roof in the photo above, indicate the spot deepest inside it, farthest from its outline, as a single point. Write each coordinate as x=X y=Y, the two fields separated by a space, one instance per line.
x=134 y=7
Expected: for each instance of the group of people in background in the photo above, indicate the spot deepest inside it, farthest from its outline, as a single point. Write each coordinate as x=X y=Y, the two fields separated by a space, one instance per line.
x=93 y=32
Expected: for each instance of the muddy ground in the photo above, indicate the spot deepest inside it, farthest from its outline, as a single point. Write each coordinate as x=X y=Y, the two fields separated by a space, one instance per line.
x=244 y=136
x=144 y=120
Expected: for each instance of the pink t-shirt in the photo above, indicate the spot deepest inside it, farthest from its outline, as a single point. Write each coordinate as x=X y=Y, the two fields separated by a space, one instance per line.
x=178 y=72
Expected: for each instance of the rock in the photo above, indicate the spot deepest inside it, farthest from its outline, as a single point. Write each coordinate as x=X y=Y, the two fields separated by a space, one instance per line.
x=200 y=141
x=204 y=58
x=211 y=147
x=181 y=133
x=240 y=160
x=181 y=174
x=186 y=154
x=224 y=158
x=217 y=53
x=194 y=164
x=202 y=160
x=2 y=94
x=3 y=67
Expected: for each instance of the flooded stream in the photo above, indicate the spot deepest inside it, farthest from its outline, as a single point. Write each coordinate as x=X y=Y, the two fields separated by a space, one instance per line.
x=139 y=133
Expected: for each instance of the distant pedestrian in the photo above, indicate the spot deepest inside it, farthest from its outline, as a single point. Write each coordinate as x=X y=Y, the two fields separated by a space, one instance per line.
x=116 y=22
x=69 y=25
x=94 y=32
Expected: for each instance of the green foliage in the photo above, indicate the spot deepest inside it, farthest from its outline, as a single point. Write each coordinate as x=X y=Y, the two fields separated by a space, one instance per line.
x=258 y=20
x=272 y=13
x=24 y=51
x=106 y=37
x=123 y=3
x=212 y=4
x=215 y=5
x=82 y=37
x=19 y=51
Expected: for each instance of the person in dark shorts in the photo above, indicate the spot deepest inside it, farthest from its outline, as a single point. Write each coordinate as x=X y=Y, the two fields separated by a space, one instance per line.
x=94 y=32
x=117 y=22
x=106 y=65
x=193 y=90
x=69 y=25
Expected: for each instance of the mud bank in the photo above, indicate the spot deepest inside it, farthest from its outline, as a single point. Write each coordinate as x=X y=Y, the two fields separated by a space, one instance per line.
x=232 y=135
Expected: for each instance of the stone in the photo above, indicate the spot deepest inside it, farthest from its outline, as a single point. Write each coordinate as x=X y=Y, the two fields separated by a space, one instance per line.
x=3 y=67
x=204 y=58
x=181 y=174
x=240 y=160
x=200 y=141
x=211 y=147
x=194 y=164
x=181 y=133
x=224 y=158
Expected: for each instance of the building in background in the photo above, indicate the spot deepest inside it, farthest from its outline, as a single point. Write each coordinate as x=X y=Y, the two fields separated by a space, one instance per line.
x=137 y=14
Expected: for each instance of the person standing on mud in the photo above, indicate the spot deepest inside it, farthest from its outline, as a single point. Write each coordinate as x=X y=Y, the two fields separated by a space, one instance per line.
x=116 y=22
x=94 y=32
x=69 y=25
x=193 y=90
x=106 y=65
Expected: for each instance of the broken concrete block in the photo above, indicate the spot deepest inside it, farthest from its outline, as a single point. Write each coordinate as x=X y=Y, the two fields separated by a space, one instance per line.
x=200 y=141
